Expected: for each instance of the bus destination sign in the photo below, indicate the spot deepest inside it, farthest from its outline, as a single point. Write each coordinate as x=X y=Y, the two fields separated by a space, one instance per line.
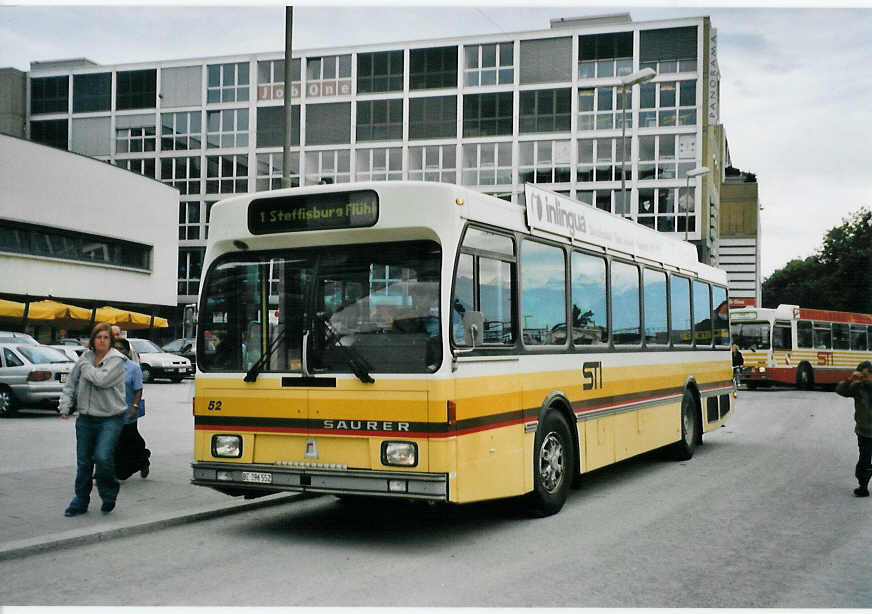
x=326 y=211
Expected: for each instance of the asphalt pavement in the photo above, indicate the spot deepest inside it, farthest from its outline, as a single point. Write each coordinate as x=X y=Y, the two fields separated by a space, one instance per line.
x=32 y=504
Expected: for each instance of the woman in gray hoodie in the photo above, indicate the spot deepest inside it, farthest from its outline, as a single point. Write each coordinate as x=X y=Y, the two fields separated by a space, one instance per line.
x=97 y=385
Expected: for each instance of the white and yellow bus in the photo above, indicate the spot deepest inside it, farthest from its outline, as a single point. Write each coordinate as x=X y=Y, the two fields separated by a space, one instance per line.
x=798 y=346
x=426 y=341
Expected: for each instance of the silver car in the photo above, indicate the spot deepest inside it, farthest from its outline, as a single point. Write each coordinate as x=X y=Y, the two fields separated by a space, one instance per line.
x=31 y=375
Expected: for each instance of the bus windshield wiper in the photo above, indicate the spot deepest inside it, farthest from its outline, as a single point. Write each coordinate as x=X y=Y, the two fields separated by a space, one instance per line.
x=359 y=366
x=253 y=372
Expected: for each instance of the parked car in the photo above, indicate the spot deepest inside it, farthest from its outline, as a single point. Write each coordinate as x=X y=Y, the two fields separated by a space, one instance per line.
x=73 y=341
x=71 y=351
x=7 y=336
x=31 y=375
x=156 y=363
x=186 y=347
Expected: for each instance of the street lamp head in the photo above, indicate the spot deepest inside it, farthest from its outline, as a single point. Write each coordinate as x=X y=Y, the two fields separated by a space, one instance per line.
x=640 y=76
x=701 y=170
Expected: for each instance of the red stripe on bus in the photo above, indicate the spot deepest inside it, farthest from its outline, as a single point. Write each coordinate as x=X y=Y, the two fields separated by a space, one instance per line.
x=823 y=315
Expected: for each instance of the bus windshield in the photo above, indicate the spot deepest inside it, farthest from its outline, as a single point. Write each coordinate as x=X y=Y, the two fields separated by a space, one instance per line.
x=751 y=335
x=378 y=302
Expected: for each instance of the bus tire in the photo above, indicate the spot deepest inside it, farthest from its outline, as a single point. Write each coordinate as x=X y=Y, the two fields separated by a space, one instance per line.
x=805 y=376
x=552 y=466
x=684 y=448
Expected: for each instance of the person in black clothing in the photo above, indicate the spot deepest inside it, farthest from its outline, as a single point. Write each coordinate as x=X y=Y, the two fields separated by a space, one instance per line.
x=738 y=361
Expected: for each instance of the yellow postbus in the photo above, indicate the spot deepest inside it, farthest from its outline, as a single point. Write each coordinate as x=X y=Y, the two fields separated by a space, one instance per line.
x=426 y=341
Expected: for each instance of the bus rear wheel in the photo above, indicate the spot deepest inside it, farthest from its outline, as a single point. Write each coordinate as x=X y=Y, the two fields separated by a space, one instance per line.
x=553 y=462
x=684 y=448
x=805 y=377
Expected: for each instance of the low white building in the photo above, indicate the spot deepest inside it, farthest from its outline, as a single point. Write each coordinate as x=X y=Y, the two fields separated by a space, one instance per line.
x=82 y=231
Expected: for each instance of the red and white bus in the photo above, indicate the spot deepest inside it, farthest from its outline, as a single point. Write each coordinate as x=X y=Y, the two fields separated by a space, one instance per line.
x=798 y=346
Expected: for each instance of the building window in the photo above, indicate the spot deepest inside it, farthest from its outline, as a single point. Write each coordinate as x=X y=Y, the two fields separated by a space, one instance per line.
x=181 y=131
x=269 y=170
x=544 y=111
x=432 y=68
x=547 y=60
x=271 y=79
x=382 y=164
x=432 y=118
x=544 y=162
x=487 y=114
x=380 y=120
x=669 y=50
x=671 y=111
x=51 y=132
x=433 y=163
x=490 y=64
x=271 y=126
x=600 y=108
x=328 y=124
x=227 y=128
x=227 y=174
x=487 y=164
x=92 y=92
x=328 y=76
x=136 y=89
x=189 y=220
x=333 y=166
x=182 y=173
x=666 y=156
x=142 y=166
x=227 y=82
x=380 y=72
x=600 y=160
x=190 y=268
x=605 y=55
x=657 y=209
x=63 y=244
x=49 y=95
x=134 y=139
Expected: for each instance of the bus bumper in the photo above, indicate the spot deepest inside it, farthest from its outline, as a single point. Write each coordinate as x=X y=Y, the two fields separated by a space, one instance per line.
x=254 y=480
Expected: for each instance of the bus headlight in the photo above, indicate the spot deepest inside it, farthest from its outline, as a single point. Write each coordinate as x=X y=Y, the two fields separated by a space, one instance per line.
x=399 y=453
x=226 y=446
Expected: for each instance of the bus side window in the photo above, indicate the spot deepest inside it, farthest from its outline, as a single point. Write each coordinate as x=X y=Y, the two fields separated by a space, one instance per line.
x=679 y=312
x=781 y=336
x=823 y=336
x=803 y=334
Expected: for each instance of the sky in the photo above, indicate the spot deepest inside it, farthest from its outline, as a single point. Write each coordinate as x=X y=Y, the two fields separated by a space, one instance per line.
x=795 y=81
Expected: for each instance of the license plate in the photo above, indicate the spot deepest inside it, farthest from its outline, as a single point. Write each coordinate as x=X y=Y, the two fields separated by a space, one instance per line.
x=254 y=476
x=62 y=377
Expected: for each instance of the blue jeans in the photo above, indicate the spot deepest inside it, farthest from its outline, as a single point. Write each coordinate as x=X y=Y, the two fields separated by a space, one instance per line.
x=95 y=457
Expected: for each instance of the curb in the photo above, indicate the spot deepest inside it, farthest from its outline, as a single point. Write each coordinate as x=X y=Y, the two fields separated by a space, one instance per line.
x=79 y=537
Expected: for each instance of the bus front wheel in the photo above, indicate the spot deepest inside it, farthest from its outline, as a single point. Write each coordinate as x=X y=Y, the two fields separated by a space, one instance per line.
x=552 y=465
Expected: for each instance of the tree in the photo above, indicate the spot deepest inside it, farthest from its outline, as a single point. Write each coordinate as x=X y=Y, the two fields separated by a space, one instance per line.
x=838 y=276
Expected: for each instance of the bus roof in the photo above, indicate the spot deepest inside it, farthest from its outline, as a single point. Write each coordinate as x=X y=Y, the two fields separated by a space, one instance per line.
x=548 y=215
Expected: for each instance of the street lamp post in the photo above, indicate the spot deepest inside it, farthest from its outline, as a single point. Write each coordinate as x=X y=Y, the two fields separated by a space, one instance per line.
x=697 y=172
x=641 y=76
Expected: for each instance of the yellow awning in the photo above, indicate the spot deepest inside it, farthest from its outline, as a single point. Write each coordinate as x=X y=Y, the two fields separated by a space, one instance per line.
x=60 y=314
x=128 y=320
x=11 y=309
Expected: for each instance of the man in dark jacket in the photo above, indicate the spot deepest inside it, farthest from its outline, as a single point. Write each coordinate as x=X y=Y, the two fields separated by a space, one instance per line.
x=859 y=386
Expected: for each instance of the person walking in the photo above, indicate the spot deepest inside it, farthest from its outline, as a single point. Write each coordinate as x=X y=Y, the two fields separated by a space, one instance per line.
x=859 y=387
x=131 y=455
x=96 y=384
